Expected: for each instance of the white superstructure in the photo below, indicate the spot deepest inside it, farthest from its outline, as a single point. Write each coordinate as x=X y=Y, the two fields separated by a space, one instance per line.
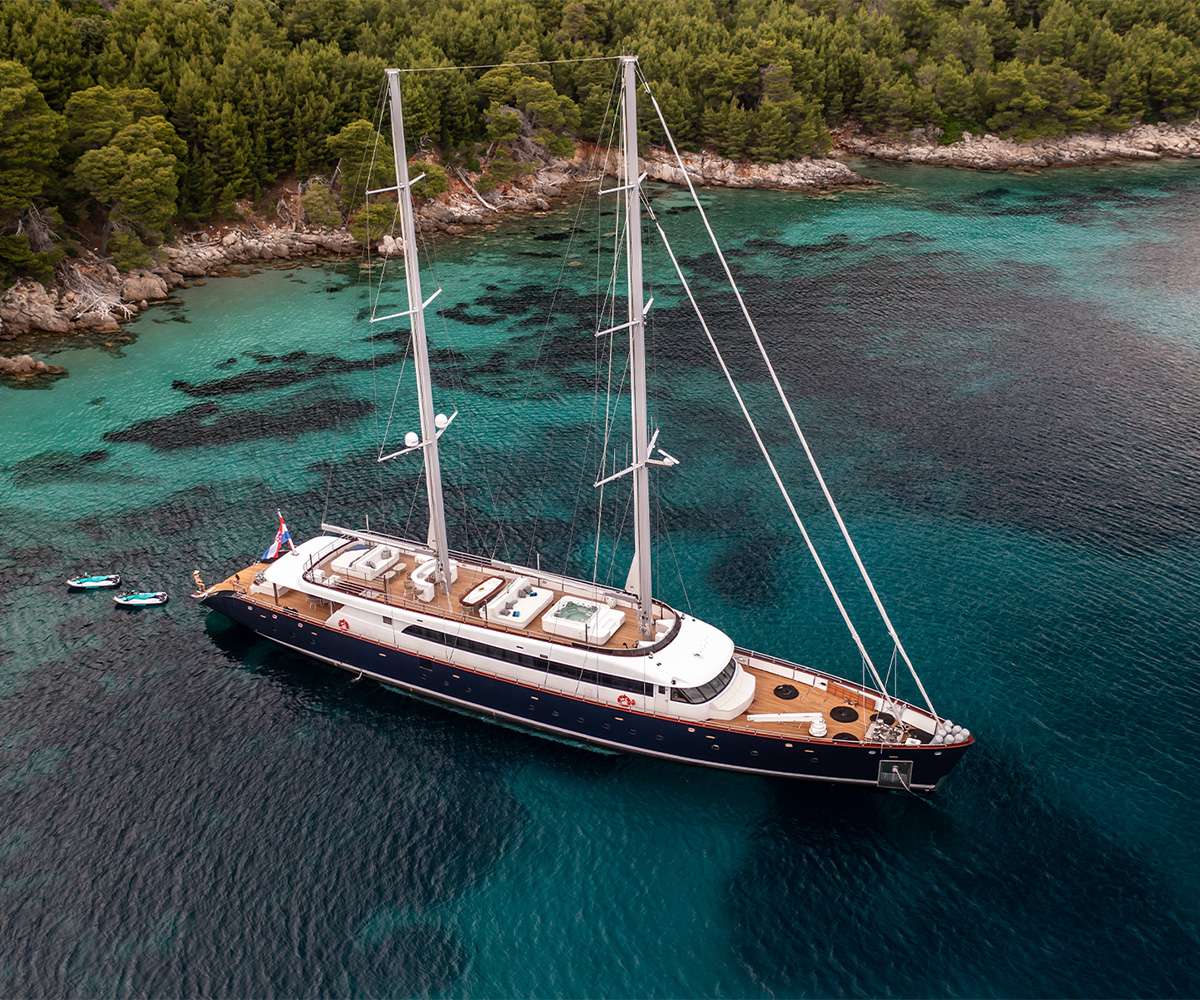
x=690 y=672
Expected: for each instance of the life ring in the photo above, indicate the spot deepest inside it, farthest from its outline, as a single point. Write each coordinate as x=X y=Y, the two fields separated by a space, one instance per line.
x=624 y=701
x=343 y=625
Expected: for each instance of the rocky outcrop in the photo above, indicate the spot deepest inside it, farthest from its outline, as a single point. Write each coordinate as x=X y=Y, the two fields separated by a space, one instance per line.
x=92 y=296
x=208 y=252
x=24 y=367
x=144 y=286
x=807 y=174
x=989 y=152
x=28 y=306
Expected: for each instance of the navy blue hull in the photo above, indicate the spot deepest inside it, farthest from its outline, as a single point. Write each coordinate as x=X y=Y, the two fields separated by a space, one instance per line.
x=635 y=732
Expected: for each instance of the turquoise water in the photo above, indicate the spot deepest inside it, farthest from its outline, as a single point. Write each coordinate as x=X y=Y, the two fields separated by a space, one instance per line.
x=1001 y=376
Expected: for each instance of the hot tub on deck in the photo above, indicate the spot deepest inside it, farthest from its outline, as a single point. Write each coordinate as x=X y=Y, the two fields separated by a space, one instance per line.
x=582 y=620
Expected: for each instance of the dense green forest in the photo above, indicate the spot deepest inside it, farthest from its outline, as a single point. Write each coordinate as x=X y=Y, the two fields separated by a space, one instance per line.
x=125 y=119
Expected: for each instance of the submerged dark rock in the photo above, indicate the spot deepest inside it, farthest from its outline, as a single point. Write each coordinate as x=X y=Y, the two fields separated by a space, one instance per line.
x=206 y=424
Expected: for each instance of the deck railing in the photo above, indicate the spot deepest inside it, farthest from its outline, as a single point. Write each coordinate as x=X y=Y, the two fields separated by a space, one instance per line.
x=403 y=600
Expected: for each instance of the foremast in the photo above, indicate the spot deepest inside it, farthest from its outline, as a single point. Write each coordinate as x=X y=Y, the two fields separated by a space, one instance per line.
x=640 y=573
x=420 y=346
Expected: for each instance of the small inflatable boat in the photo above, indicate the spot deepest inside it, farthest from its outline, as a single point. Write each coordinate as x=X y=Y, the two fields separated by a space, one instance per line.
x=141 y=600
x=93 y=582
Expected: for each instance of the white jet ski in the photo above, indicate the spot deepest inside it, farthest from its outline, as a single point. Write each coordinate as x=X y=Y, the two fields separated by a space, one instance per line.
x=94 y=582
x=144 y=599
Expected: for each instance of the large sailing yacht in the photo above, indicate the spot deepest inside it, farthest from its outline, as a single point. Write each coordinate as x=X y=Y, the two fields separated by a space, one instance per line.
x=609 y=666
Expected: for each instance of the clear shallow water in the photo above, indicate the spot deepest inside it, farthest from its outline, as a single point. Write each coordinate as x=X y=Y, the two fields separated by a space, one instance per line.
x=1002 y=377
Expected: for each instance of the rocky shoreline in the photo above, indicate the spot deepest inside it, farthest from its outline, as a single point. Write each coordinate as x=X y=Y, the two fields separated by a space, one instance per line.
x=90 y=296
x=990 y=152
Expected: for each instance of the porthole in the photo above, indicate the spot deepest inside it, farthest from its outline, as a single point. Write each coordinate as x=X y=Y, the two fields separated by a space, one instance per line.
x=659 y=737
x=554 y=712
x=691 y=729
x=606 y=726
x=753 y=753
x=715 y=747
x=633 y=732
x=790 y=745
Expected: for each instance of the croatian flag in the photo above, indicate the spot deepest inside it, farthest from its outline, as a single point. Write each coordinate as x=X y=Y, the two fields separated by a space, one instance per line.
x=282 y=537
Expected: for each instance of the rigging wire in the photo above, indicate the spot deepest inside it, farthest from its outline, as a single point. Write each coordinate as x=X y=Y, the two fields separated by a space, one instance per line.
x=610 y=300
x=812 y=549
x=887 y=621
x=545 y=332
x=582 y=488
x=374 y=303
x=379 y=105
x=506 y=65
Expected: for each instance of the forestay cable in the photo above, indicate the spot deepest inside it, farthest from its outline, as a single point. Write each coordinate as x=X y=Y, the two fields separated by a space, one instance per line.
x=812 y=461
x=812 y=549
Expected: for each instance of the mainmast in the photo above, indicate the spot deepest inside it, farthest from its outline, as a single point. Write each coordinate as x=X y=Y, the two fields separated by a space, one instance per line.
x=640 y=574
x=420 y=346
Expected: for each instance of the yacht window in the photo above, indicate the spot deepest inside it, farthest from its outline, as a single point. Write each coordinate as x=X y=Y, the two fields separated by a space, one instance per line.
x=533 y=662
x=706 y=692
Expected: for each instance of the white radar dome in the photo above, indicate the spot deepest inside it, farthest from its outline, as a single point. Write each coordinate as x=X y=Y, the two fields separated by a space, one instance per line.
x=440 y=421
x=412 y=439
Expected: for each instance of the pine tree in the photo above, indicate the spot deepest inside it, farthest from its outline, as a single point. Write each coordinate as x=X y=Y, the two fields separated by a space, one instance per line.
x=93 y=117
x=503 y=123
x=44 y=38
x=372 y=222
x=727 y=129
x=228 y=145
x=364 y=160
x=1126 y=93
x=135 y=179
x=810 y=137
x=320 y=207
x=773 y=138
x=30 y=134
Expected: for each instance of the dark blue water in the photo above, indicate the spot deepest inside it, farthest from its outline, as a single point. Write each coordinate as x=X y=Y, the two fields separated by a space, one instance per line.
x=1002 y=378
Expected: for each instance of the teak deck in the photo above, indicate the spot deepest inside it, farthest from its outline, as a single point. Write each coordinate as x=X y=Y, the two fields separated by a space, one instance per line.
x=398 y=593
x=809 y=699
